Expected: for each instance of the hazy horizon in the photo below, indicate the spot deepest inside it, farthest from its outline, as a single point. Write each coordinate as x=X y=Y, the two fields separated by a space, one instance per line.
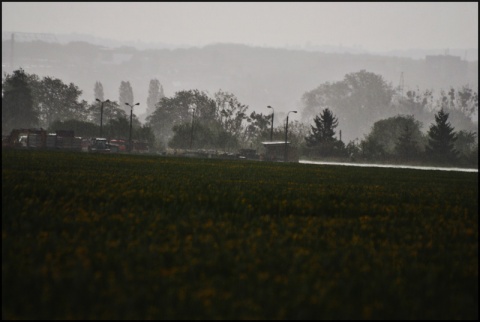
x=367 y=27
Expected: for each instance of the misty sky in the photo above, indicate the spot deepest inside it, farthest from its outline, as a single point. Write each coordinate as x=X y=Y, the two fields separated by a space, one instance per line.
x=376 y=27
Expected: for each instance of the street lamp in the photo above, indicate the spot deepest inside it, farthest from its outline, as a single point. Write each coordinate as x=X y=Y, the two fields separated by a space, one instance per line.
x=101 y=115
x=271 y=129
x=191 y=133
x=130 y=137
x=286 y=135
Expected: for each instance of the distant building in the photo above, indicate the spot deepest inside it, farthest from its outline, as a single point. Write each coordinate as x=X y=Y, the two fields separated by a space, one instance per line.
x=275 y=151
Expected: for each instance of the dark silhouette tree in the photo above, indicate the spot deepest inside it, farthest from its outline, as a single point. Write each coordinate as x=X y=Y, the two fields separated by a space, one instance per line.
x=111 y=111
x=407 y=147
x=231 y=114
x=258 y=129
x=18 y=109
x=322 y=134
x=441 y=140
x=385 y=136
x=467 y=147
x=323 y=130
x=59 y=101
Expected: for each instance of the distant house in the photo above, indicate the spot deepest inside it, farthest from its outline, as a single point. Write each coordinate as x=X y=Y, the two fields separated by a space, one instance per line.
x=276 y=150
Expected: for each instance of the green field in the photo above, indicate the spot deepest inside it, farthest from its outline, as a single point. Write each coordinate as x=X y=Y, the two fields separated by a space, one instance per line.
x=88 y=236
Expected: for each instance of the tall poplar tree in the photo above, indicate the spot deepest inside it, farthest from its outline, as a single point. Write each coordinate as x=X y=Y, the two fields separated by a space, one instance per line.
x=155 y=94
x=98 y=91
x=125 y=96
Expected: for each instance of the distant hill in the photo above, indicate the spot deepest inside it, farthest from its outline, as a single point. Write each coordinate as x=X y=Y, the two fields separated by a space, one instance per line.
x=258 y=76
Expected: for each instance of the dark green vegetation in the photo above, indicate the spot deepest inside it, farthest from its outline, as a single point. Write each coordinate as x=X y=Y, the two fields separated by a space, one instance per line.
x=193 y=119
x=141 y=237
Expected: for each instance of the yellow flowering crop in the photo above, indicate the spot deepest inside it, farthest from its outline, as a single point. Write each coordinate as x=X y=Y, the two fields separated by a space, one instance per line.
x=89 y=236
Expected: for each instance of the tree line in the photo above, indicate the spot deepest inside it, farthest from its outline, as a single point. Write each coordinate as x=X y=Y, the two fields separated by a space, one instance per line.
x=29 y=101
x=192 y=119
x=397 y=120
x=396 y=139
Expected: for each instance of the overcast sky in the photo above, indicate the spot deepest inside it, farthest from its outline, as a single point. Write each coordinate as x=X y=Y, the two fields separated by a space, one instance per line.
x=376 y=27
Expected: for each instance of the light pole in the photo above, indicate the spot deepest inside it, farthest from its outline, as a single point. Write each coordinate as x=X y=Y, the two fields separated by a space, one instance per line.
x=130 y=137
x=286 y=135
x=101 y=115
x=191 y=133
x=271 y=129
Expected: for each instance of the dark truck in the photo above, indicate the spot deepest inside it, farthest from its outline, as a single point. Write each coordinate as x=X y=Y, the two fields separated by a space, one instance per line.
x=99 y=145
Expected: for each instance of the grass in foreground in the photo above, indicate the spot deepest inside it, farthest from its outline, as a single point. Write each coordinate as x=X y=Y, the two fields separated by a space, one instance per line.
x=138 y=237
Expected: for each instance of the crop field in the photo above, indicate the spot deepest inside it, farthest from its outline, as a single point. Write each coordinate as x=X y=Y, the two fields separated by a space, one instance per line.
x=91 y=236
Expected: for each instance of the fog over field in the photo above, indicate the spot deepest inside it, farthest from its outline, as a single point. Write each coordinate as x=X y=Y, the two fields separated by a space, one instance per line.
x=266 y=54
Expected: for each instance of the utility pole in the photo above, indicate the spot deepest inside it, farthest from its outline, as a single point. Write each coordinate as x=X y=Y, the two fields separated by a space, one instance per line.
x=130 y=136
x=191 y=132
x=271 y=128
x=286 y=136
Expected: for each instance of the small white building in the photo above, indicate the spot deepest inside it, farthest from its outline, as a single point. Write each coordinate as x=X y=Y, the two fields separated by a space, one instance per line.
x=277 y=150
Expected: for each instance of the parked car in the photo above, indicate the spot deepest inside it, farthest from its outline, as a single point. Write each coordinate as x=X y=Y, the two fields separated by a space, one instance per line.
x=99 y=145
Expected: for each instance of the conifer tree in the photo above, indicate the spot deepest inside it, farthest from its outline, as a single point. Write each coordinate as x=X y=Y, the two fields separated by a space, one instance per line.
x=324 y=129
x=441 y=140
x=321 y=138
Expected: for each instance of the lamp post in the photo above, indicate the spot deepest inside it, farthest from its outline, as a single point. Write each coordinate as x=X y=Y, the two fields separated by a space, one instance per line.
x=271 y=128
x=286 y=135
x=130 y=137
x=101 y=115
x=191 y=132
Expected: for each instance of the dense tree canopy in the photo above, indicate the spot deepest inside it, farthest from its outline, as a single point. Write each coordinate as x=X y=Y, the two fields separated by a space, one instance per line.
x=223 y=120
x=59 y=101
x=399 y=136
x=111 y=111
x=180 y=109
x=467 y=146
x=191 y=118
x=407 y=147
x=18 y=110
x=358 y=100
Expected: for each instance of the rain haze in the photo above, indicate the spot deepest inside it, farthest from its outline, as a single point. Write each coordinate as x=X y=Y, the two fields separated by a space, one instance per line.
x=276 y=54
x=374 y=27
x=240 y=161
